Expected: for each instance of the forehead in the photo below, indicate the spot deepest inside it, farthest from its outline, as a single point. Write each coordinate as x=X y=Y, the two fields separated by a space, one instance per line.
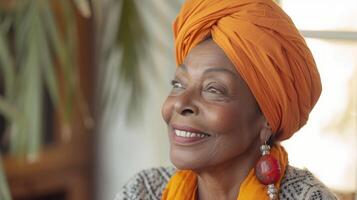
x=208 y=54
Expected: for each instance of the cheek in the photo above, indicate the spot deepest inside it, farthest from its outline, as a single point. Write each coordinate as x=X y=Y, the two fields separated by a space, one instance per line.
x=223 y=118
x=166 y=110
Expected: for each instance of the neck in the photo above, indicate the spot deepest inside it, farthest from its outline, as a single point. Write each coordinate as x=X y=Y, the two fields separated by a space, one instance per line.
x=224 y=180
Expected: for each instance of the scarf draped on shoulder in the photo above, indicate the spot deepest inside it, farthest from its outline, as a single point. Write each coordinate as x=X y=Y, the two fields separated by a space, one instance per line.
x=183 y=184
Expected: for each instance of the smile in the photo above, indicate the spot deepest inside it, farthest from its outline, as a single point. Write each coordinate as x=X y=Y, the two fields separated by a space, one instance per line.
x=188 y=134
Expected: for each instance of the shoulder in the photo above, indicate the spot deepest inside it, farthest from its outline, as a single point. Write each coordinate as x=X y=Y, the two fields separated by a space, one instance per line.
x=302 y=184
x=147 y=184
x=297 y=184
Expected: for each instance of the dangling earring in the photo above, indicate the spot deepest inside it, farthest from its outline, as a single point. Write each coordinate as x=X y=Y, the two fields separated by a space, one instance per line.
x=268 y=171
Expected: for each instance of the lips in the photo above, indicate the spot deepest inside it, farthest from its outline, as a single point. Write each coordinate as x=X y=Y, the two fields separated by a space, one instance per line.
x=185 y=135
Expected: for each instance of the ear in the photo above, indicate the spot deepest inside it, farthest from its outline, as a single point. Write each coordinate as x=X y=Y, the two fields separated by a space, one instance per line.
x=265 y=132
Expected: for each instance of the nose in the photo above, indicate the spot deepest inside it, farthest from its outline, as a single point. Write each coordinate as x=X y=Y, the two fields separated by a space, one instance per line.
x=186 y=104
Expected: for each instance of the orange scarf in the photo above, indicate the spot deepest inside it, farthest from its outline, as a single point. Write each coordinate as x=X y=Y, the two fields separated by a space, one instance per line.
x=183 y=184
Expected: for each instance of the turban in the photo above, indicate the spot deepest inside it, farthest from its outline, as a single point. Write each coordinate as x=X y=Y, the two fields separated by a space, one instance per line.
x=267 y=50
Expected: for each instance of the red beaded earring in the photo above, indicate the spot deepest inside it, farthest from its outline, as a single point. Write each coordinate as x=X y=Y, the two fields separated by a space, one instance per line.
x=268 y=171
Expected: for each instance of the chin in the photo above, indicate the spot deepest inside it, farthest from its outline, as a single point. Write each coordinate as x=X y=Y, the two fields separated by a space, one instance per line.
x=183 y=165
x=185 y=162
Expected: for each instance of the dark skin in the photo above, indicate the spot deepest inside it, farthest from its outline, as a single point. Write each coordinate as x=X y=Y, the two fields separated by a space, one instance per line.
x=210 y=96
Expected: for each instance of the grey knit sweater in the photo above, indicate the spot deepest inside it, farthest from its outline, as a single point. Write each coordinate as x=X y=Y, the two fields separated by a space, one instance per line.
x=296 y=185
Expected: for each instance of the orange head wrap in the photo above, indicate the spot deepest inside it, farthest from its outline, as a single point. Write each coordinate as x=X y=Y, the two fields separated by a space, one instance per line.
x=266 y=49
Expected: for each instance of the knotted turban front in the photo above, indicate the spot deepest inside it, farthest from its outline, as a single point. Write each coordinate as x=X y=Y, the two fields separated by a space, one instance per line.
x=266 y=49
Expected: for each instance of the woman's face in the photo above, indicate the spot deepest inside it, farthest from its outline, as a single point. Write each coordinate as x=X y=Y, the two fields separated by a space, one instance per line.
x=211 y=114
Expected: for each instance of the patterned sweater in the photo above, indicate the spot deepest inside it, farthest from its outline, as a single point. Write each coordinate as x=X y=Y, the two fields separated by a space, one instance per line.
x=297 y=184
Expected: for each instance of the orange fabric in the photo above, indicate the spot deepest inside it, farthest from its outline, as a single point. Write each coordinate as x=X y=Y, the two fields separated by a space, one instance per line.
x=267 y=50
x=183 y=184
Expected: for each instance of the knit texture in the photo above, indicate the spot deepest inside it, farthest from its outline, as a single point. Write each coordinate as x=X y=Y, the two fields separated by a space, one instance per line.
x=297 y=184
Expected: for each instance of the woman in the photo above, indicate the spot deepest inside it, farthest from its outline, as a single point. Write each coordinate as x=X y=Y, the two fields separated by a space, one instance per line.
x=245 y=81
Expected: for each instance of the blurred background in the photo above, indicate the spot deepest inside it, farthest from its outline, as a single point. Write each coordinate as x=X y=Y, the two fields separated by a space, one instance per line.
x=82 y=83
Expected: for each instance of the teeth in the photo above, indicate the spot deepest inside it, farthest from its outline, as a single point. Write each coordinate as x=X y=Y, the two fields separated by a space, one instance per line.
x=189 y=134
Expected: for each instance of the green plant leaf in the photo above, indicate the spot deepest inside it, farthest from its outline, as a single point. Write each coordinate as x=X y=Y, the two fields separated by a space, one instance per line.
x=131 y=40
x=27 y=139
x=61 y=51
x=6 y=65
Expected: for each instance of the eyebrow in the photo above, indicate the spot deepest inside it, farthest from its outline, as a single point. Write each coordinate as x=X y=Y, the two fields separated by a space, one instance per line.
x=212 y=69
x=220 y=69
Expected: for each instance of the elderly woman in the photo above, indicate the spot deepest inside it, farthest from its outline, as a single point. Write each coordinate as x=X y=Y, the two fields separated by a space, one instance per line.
x=245 y=81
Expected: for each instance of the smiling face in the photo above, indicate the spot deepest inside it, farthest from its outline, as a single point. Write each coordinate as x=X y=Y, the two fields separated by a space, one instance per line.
x=212 y=116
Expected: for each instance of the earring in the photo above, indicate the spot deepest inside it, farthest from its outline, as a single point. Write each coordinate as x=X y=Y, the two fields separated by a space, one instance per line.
x=268 y=171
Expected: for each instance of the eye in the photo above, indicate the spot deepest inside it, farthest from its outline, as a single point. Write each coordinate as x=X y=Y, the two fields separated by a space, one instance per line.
x=176 y=84
x=214 y=90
